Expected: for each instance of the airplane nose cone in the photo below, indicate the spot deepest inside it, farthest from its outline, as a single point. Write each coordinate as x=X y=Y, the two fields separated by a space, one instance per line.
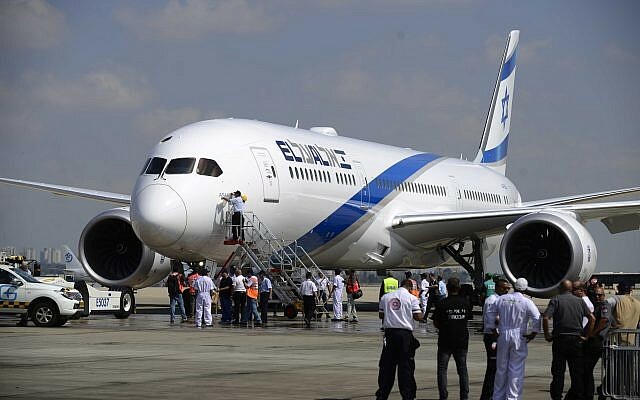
x=158 y=215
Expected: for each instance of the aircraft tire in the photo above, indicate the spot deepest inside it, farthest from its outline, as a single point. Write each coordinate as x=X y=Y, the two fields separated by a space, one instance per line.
x=290 y=311
x=127 y=304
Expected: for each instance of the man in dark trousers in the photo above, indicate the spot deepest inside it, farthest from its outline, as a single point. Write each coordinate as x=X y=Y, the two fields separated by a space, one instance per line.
x=450 y=318
x=490 y=339
x=567 y=311
x=593 y=348
x=397 y=310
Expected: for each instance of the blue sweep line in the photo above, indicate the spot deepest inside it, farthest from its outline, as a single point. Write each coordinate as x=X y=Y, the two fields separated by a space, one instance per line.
x=350 y=212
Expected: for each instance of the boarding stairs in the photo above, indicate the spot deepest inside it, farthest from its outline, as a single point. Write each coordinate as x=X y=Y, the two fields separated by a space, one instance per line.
x=285 y=262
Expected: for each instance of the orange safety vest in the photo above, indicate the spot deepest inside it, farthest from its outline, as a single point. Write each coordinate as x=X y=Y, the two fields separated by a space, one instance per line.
x=252 y=291
x=352 y=285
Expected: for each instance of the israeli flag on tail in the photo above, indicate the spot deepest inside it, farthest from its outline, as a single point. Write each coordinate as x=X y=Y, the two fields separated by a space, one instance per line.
x=495 y=138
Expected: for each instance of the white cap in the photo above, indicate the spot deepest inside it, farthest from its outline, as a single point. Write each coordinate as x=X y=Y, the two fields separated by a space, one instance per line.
x=521 y=284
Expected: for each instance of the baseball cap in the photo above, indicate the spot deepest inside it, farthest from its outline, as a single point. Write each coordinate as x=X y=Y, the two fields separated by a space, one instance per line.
x=521 y=284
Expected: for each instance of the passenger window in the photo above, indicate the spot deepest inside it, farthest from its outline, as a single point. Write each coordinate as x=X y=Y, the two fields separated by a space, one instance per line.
x=180 y=166
x=205 y=167
x=156 y=165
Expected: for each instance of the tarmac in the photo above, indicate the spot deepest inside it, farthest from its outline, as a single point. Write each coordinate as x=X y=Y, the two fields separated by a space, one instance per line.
x=145 y=357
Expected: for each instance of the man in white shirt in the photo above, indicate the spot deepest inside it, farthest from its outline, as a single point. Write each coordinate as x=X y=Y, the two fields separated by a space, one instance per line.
x=442 y=288
x=336 y=291
x=309 y=291
x=398 y=310
x=239 y=296
x=204 y=287
x=580 y=290
x=514 y=311
x=236 y=218
x=266 y=290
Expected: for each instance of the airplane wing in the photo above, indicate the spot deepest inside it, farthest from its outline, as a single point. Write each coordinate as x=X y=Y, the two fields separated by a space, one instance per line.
x=581 y=198
x=432 y=227
x=110 y=197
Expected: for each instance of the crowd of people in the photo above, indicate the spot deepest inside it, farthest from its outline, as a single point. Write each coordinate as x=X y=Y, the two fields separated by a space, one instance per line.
x=581 y=319
x=576 y=322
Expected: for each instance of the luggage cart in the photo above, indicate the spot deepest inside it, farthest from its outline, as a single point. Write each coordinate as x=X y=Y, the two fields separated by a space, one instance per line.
x=620 y=370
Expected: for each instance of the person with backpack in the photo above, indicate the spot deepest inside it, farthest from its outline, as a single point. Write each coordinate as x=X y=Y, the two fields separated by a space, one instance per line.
x=175 y=286
x=353 y=286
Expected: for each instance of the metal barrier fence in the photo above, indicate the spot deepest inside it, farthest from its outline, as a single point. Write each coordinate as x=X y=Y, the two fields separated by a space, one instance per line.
x=621 y=364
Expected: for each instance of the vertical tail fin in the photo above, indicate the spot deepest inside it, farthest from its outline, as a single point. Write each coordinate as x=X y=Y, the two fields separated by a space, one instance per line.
x=73 y=265
x=495 y=137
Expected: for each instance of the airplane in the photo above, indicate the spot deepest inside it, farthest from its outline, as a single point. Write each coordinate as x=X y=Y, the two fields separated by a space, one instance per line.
x=349 y=203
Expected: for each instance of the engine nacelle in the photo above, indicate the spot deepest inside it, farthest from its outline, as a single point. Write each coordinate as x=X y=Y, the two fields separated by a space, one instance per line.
x=547 y=248
x=113 y=256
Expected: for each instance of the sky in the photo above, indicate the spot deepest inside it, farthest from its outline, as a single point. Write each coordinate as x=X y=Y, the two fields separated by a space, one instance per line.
x=87 y=88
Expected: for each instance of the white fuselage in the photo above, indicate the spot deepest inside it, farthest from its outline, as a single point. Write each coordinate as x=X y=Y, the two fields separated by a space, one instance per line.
x=336 y=196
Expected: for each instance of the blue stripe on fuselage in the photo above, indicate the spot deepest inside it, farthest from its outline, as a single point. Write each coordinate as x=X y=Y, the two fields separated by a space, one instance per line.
x=497 y=153
x=350 y=212
x=508 y=67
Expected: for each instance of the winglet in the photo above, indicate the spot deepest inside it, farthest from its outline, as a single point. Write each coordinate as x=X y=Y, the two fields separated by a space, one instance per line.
x=495 y=137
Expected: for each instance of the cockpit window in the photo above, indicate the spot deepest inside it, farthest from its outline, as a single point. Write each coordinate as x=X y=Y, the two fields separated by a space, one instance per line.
x=156 y=165
x=180 y=166
x=208 y=167
x=146 y=164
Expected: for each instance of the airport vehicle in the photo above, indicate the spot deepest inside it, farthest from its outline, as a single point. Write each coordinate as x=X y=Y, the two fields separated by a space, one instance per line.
x=120 y=303
x=348 y=203
x=45 y=304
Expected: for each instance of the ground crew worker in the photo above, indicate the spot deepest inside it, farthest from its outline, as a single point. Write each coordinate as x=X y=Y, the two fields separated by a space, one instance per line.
x=205 y=287
x=514 y=311
x=236 y=218
x=336 y=291
x=490 y=338
x=397 y=309
x=424 y=291
x=389 y=284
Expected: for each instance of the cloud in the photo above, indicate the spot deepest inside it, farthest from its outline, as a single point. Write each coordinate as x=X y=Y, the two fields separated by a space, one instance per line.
x=190 y=19
x=620 y=54
x=159 y=122
x=112 y=90
x=30 y=24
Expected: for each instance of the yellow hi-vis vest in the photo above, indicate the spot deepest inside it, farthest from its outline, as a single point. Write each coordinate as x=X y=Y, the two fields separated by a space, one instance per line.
x=390 y=284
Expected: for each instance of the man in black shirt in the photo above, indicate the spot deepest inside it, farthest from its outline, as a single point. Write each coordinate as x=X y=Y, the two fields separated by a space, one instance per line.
x=226 y=288
x=450 y=318
x=568 y=339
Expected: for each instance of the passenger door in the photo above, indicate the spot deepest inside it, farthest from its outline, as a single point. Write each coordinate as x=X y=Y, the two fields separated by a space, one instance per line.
x=267 y=168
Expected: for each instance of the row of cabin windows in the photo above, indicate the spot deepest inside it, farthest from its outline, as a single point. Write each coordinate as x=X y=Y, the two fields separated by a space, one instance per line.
x=155 y=166
x=310 y=174
x=486 y=197
x=415 y=187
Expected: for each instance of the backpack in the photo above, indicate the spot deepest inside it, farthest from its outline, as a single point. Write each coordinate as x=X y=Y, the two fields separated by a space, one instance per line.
x=172 y=284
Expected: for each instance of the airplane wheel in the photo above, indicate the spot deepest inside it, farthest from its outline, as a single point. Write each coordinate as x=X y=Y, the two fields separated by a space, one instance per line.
x=127 y=304
x=290 y=311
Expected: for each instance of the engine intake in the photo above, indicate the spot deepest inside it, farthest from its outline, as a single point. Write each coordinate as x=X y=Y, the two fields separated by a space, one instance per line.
x=113 y=256
x=547 y=248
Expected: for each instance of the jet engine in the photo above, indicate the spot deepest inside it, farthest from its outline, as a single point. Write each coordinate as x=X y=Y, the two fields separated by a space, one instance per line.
x=113 y=256
x=546 y=248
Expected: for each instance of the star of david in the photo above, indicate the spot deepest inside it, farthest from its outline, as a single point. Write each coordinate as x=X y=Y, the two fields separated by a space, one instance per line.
x=505 y=108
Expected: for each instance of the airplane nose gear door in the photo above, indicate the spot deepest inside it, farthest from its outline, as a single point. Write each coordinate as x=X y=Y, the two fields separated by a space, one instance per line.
x=270 y=184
